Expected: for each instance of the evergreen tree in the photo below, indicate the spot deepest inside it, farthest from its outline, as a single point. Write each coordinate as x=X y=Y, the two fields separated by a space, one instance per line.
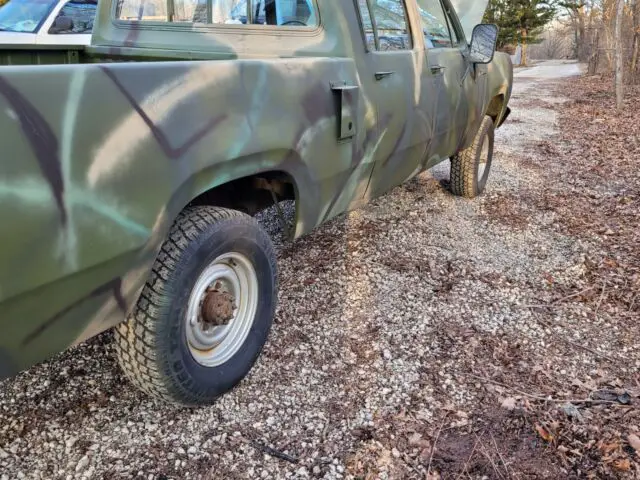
x=499 y=12
x=520 y=21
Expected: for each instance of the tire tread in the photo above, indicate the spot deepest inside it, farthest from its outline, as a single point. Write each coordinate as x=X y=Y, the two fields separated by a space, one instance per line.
x=135 y=343
x=463 y=181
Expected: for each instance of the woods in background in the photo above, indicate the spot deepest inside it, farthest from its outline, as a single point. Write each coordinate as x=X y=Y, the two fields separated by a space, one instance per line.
x=603 y=33
x=581 y=29
x=594 y=26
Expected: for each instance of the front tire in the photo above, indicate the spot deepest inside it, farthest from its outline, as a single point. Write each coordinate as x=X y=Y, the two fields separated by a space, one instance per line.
x=204 y=315
x=470 y=168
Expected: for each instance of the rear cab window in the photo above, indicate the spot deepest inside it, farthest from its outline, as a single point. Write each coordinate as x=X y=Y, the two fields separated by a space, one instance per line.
x=278 y=13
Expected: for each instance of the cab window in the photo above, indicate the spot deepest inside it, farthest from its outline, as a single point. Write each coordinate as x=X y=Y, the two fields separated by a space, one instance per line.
x=290 y=13
x=435 y=26
x=76 y=16
x=385 y=24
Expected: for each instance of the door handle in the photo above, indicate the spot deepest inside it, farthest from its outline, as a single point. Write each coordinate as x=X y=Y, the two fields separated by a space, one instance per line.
x=435 y=69
x=381 y=75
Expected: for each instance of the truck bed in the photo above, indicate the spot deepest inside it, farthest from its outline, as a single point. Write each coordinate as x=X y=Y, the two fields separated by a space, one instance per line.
x=40 y=54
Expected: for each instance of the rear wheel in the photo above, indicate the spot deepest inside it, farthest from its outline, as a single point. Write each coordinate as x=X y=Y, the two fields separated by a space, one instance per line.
x=470 y=168
x=205 y=313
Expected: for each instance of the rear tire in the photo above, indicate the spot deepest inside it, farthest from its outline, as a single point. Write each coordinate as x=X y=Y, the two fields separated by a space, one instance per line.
x=205 y=313
x=470 y=168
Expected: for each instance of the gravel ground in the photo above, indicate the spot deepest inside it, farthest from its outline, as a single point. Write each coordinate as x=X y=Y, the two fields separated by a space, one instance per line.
x=384 y=314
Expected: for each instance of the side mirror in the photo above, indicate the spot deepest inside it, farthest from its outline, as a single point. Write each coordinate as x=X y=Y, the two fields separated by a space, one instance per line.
x=483 y=42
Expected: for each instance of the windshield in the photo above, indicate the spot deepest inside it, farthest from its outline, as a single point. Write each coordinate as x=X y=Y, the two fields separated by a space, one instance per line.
x=24 y=15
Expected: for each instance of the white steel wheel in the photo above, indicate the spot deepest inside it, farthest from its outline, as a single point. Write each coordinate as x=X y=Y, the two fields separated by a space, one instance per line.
x=222 y=307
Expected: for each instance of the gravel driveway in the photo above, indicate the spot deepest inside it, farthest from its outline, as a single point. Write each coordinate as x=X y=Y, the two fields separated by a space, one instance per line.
x=368 y=355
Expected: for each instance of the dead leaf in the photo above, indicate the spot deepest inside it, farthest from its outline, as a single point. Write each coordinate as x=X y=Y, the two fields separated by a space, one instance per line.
x=425 y=454
x=384 y=459
x=571 y=411
x=634 y=441
x=588 y=385
x=546 y=436
x=622 y=464
x=607 y=448
x=509 y=403
x=416 y=440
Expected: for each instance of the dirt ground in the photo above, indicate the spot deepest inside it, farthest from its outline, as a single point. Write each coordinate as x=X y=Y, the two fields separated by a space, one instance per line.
x=422 y=337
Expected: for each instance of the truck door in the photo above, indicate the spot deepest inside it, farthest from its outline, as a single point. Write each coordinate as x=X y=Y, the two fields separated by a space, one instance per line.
x=391 y=82
x=453 y=76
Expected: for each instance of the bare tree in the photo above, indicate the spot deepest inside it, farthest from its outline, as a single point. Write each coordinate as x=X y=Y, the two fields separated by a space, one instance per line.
x=555 y=44
x=635 y=50
x=619 y=53
x=577 y=12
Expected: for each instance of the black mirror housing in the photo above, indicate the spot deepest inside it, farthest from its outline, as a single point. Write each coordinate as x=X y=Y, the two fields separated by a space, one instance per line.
x=483 y=43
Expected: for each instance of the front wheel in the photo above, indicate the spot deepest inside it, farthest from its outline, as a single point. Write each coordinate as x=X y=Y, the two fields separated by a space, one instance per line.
x=204 y=315
x=470 y=167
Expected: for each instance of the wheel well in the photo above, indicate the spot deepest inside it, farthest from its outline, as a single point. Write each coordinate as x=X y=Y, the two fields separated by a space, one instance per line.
x=495 y=107
x=250 y=194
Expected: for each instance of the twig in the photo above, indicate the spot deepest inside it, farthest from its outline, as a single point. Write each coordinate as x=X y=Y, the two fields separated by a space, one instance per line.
x=488 y=380
x=595 y=315
x=601 y=355
x=433 y=447
x=558 y=300
x=506 y=467
x=560 y=337
x=493 y=464
x=572 y=295
x=272 y=451
x=539 y=397
x=326 y=429
x=466 y=464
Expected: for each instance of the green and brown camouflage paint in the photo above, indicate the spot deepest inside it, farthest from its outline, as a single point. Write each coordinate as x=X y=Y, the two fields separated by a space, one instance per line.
x=99 y=157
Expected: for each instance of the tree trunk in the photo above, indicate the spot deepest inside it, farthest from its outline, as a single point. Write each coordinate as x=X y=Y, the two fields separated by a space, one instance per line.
x=619 y=55
x=524 y=59
x=634 y=56
x=595 y=57
x=609 y=19
x=581 y=35
x=636 y=37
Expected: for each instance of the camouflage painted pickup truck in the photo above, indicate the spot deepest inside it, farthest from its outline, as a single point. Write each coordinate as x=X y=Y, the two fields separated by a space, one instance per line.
x=131 y=168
